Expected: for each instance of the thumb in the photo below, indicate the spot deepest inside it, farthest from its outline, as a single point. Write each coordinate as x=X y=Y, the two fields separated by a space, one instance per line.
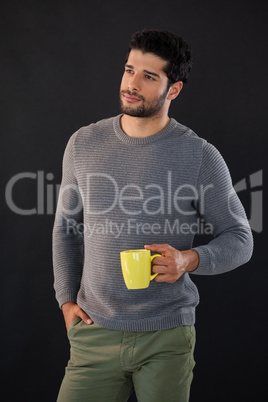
x=80 y=313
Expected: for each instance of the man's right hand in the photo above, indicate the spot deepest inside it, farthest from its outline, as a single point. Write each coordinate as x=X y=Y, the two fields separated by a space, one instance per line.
x=71 y=311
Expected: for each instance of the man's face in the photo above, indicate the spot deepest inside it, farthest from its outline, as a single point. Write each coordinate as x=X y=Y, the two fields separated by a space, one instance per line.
x=144 y=85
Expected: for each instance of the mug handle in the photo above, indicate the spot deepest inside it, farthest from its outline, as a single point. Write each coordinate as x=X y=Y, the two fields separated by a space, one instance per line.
x=152 y=257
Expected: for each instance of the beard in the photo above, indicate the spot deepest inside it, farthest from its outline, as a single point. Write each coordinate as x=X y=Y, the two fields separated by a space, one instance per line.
x=146 y=109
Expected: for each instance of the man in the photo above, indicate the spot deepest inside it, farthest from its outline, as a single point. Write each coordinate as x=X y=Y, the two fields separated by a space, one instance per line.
x=141 y=179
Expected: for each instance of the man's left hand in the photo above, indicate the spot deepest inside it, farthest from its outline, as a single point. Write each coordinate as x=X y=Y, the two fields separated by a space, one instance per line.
x=173 y=263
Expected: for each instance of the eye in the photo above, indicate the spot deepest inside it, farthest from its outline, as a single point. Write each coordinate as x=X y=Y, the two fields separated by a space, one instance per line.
x=129 y=71
x=149 y=77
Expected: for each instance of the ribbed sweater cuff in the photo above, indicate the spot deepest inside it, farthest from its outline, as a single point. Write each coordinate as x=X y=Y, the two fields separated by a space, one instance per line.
x=205 y=264
x=66 y=297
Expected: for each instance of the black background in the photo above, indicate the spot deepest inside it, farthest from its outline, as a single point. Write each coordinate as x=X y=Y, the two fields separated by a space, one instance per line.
x=61 y=66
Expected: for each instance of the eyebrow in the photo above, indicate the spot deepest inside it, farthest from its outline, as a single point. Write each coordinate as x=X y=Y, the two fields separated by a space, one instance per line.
x=145 y=71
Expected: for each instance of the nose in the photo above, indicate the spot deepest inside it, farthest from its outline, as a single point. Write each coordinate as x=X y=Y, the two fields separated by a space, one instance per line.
x=134 y=83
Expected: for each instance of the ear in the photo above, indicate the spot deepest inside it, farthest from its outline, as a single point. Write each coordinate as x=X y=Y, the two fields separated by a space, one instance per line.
x=174 y=90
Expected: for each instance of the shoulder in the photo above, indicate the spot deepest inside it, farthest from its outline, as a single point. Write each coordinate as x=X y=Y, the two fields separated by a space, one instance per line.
x=206 y=155
x=102 y=127
x=187 y=135
x=89 y=137
x=212 y=156
x=188 y=143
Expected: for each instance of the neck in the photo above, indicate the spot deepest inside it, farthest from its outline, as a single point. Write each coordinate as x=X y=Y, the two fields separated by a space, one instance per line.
x=141 y=127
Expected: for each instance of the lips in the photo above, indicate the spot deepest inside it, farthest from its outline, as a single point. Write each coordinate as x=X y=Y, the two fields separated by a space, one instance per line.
x=131 y=98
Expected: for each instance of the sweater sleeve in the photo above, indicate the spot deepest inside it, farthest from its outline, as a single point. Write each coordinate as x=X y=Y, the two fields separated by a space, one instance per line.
x=68 y=243
x=232 y=242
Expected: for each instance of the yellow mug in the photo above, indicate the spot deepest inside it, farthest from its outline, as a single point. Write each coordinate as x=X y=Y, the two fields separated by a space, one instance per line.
x=136 y=268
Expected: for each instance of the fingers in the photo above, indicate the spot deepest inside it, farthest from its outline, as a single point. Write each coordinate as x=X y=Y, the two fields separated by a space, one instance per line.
x=166 y=278
x=159 y=248
x=166 y=274
x=84 y=317
x=169 y=266
x=71 y=311
x=165 y=269
x=160 y=261
x=166 y=261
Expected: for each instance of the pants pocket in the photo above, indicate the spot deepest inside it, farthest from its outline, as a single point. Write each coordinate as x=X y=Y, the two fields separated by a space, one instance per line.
x=188 y=332
x=76 y=321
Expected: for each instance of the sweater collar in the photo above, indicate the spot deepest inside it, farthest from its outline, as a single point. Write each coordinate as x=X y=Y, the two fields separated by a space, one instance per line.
x=145 y=140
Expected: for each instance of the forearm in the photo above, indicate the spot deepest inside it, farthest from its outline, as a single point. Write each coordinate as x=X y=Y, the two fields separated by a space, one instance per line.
x=68 y=242
x=226 y=252
x=221 y=208
x=67 y=264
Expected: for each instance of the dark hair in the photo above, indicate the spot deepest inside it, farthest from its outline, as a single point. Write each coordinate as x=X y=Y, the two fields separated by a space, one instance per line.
x=170 y=47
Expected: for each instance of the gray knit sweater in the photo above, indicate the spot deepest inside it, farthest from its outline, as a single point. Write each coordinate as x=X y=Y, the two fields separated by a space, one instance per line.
x=120 y=193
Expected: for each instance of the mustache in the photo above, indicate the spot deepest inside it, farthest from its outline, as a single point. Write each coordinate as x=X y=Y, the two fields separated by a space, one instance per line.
x=134 y=93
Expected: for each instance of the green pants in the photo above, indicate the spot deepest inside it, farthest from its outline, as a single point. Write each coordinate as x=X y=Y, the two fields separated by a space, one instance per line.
x=105 y=365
